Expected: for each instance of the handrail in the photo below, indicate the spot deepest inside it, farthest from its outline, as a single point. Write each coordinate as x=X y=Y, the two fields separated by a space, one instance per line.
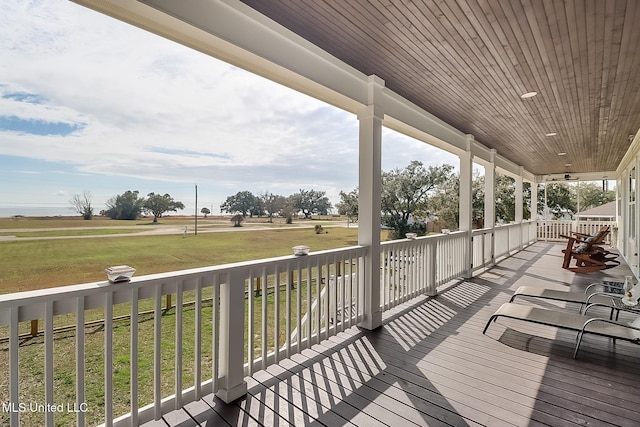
x=290 y=303
x=232 y=289
x=553 y=230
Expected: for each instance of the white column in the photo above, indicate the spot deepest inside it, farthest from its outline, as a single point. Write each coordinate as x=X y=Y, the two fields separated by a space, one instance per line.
x=534 y=202
x=620 y=215
x=369 y=204
x=577 y=204
x=490 y=192
x=519 y=202
x=533 y=207
x=231 y=356
x=635 y=267
x=519 y=206
x=466 y=204
x=490 y=200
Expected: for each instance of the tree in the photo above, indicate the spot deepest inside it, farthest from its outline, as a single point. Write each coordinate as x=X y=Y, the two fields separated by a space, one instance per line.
x=205 y=211
x=82 y=204
x=592 y=195
x=157 y=205
x=348 y=204
x=237 y=220
x=526 y=200
x=477 y=200
x=560 y=199
x=445 y=202
x=272 y=204
x=405 y=192
x=243 y=202
x=288 y=210
x=311 y=202
x=506 y=199
x=258 y=208
x=124 y=206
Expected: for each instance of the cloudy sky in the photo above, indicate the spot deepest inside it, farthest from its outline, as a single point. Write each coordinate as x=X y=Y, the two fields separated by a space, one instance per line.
x=88 y=103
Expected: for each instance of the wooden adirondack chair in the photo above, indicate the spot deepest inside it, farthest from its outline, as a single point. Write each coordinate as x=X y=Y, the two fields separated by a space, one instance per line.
x=587 y=253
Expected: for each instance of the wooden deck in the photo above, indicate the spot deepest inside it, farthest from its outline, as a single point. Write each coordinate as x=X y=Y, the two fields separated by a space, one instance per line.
x=431 y=365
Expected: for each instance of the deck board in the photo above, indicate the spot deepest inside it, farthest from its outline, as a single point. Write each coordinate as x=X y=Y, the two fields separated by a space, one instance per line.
x=430 y=364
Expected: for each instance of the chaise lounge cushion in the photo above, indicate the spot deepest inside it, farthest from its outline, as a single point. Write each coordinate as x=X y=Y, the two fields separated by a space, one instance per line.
x=582 y=298
x=567 y=320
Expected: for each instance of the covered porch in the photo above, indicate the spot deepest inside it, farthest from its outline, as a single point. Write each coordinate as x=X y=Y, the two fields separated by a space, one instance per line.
x=383 y=332
x=279 y=341
x=429 y=364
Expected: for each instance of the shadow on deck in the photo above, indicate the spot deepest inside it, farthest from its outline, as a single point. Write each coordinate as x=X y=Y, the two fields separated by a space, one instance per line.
x=430 y=364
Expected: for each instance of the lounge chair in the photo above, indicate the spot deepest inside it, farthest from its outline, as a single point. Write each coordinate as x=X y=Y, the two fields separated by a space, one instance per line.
x=589 y=296
x=588 y=255
x=595 y=239
x=581 y=323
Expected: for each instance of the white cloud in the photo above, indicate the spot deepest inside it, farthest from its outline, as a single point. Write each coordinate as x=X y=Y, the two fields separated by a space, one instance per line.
x=152 y=109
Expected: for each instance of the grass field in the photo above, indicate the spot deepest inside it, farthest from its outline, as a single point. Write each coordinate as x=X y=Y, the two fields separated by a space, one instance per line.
x=101 y=222
x=32 y=356
x=73 y=233
x=37 y=264
x=73 y=222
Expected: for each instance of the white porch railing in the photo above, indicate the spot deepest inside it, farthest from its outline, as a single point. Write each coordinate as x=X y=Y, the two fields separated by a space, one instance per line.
x=555 y=230
x=513 y=237
x=482 y=243
x=503 y=242
x=273 y=295
x=301 y=283
x=414 y=267
x=266 y=310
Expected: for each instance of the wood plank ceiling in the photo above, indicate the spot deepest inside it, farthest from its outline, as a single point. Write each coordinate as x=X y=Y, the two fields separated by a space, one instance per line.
x=468 y=62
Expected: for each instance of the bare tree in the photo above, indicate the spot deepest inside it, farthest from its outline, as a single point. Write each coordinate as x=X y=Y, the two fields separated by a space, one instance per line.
x=82 y=204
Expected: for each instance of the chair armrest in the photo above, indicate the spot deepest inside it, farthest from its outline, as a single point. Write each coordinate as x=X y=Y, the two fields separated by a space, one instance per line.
x=573 y=239
x=615 y=288
x=581 y=234
x=597 y=304
x=586 y=290
x=606 y=294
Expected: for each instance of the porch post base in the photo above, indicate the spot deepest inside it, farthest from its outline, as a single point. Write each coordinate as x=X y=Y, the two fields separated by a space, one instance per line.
x=372 y=321
x=236 y=392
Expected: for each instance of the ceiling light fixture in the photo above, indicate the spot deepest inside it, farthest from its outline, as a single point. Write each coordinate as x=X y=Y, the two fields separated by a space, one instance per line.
x=568 y=164
x=551 y=134
x=528 y=95
x=562 y=153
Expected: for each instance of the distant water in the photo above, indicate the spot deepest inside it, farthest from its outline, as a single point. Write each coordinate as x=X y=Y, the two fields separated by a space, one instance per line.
x=9 y=211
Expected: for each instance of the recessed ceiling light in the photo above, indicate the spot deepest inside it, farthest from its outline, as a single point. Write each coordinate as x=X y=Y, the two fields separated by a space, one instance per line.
x=551 y=134
x=567 y=164
x=528 y=95
x=562 y=153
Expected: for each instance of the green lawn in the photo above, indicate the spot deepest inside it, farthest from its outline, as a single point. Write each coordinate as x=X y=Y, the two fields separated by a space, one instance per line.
x=26 y=265
x=60 y=222
x=62 y=233
x=37 y=264
x=32 y=356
